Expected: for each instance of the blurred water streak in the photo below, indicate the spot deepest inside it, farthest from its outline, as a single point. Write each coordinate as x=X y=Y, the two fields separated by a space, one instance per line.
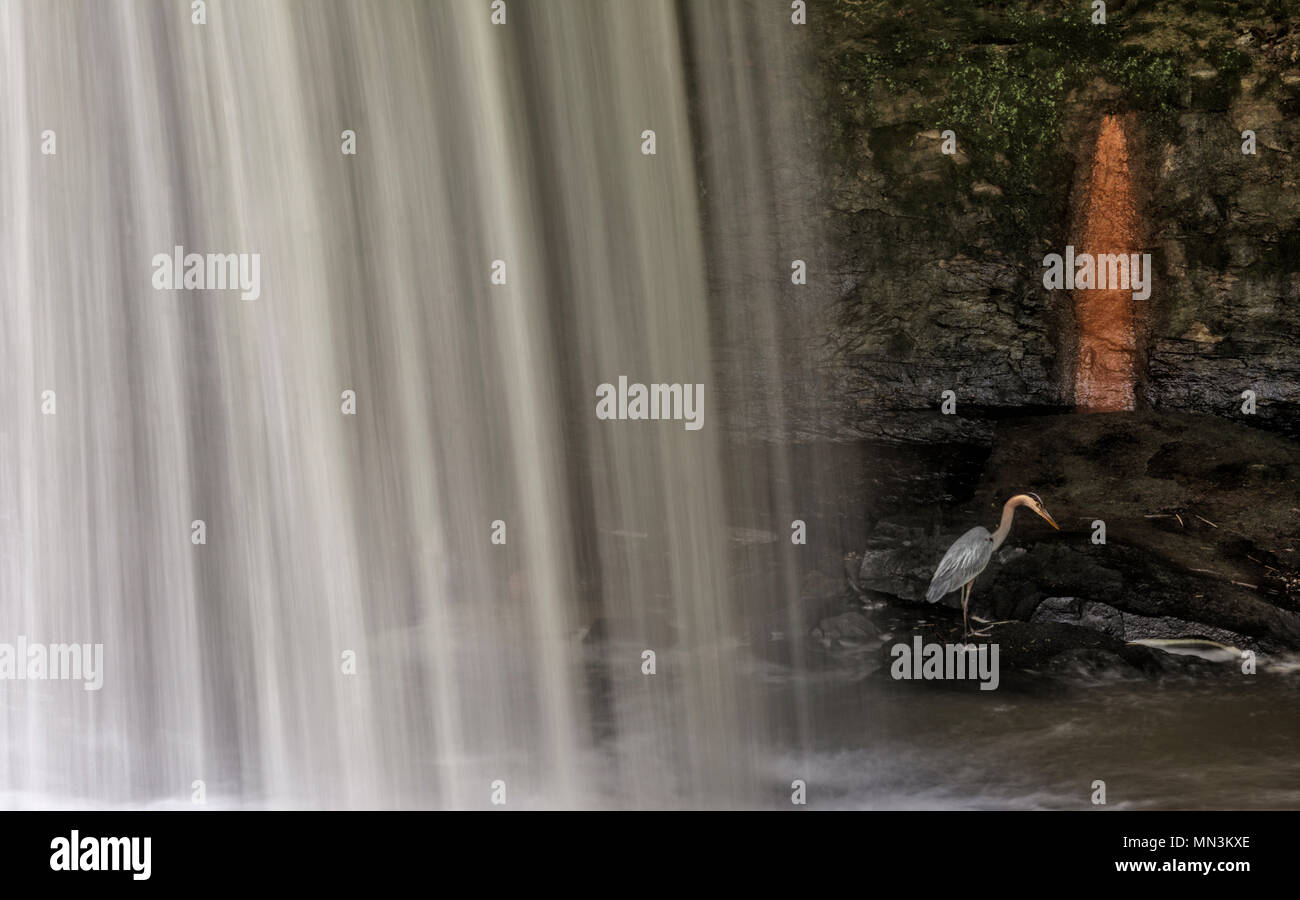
x=328 y=533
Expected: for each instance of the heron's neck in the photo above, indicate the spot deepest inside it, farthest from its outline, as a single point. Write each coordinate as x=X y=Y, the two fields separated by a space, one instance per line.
x=1004 y=528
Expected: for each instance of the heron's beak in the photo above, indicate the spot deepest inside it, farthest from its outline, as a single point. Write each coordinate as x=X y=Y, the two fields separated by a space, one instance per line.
x=1050 y=520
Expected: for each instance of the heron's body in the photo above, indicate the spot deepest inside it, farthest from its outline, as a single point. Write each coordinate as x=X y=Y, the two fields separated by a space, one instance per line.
x=963 y=562
x=970 y=554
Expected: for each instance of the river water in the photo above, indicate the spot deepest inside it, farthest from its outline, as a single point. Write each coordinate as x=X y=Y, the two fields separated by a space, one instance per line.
x=362 y=541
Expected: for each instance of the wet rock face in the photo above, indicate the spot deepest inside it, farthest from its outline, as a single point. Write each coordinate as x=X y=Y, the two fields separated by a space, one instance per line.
x=849 y=630
x=1192 y=374
x=1126 y=626
x=1227 y=227
x=929 y=309
x=939 y=262
x=1069 y=610
x=899 y=561
x=942 y=285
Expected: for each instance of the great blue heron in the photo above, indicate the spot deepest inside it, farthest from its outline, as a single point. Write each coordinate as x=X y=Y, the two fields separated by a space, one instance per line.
x=972 y=551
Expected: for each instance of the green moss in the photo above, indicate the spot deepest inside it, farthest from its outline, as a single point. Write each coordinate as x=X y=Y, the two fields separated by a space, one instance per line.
x=1152 y=82
x=1000 y=76
x=1007 y=113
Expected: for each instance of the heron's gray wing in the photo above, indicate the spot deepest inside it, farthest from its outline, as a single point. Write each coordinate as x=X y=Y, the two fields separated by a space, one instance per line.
x=965 y=559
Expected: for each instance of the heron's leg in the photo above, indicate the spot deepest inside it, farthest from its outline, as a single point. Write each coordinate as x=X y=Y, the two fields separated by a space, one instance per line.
x=984 y=632
x=965 y=596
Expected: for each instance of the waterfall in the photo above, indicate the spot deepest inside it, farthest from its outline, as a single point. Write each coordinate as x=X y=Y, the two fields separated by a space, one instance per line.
x=448 y=595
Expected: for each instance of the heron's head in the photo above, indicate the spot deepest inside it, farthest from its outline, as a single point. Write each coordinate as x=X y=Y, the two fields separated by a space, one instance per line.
x=1035 y=502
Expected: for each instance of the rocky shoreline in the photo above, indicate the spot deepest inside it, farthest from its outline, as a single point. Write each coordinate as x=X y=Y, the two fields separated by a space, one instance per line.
x=1174 y=526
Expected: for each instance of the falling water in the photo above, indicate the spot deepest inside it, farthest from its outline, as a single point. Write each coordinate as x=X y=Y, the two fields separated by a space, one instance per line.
x=1106 y=223
x=335 y=541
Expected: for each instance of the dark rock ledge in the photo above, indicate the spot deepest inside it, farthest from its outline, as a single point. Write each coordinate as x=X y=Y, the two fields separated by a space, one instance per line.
x=1202 y=526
